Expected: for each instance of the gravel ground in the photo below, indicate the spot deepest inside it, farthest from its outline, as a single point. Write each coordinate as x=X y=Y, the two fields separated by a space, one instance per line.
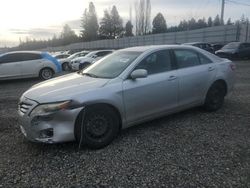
x=189 y=149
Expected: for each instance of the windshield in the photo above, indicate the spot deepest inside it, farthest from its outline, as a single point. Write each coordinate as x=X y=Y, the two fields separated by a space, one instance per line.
x=113 y=65
x=78 y=54
x=90 y=54
x=73 y=55
x=233 y=45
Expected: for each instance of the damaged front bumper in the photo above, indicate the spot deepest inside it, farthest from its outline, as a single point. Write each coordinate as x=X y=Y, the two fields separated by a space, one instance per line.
x=55 y=127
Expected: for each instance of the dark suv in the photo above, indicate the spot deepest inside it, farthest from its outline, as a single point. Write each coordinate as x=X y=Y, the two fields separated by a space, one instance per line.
x=235 y=50
x=202 y=45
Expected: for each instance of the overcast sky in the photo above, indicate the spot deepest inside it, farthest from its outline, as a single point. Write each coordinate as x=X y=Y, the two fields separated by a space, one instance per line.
x=41 y=19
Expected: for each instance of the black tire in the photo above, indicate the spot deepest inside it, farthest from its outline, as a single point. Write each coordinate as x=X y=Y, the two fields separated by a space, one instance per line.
x=65 y=66
x=97 y=126
x=215 y=97
x=84 y=66
x=46 y=73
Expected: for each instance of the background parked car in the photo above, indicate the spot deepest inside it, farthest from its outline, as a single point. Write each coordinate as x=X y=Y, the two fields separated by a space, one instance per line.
x=235 y=50
x=61 y=56
x=24 y=64
x=202 y=45
x=216 y=47
x=83 y=62
x=66 y=61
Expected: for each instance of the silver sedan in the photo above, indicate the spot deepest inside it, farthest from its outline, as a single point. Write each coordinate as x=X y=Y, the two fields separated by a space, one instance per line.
x=128 y=87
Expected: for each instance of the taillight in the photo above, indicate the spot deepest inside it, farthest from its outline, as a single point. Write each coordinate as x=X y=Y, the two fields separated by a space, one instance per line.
x=232 y=66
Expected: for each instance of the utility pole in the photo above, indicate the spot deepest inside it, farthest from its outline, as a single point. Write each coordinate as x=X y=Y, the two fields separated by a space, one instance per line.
x=222 y=11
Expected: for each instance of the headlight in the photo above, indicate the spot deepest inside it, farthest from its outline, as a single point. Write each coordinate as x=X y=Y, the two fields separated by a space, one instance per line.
x=46 y=109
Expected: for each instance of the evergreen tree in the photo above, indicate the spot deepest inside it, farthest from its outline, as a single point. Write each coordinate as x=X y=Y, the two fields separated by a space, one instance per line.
x=183 y=25
x=201 y=23
x=159 y=24
x=216 y=21
x=192 y=24
x=89 y=24
x=210 y=22
x=111 y=24
x=229 y=22
x=68 y=35
x=129 y=29
x=117 y=23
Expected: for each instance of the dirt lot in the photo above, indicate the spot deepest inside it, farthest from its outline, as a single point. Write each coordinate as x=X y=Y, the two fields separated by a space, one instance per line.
x=188 y=149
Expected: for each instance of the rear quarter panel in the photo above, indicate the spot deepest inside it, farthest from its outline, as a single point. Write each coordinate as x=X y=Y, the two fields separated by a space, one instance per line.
x=48 y=64
x=224 y=72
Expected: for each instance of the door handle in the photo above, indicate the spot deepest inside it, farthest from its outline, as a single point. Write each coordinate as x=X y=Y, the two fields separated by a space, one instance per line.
x=172 y=78
x=210 y=68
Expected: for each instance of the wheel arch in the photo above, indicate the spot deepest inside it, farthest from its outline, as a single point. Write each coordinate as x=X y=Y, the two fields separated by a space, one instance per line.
x=223 y=82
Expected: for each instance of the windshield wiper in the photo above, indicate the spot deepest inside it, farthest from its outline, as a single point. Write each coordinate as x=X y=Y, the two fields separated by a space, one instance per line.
x=90 y=75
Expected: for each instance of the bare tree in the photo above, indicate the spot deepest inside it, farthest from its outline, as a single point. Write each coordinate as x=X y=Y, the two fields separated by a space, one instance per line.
x=142 y=16
x=147 y=16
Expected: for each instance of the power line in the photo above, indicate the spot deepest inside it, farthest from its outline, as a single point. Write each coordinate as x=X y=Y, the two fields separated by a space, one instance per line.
x=222 y=11
x=238 y=3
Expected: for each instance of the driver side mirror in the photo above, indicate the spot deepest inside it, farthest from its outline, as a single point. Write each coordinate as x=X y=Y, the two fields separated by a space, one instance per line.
x=94 y=56
x=139 y=73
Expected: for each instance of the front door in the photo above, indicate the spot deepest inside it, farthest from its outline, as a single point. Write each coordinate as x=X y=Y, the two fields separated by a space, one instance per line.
x=155 y=94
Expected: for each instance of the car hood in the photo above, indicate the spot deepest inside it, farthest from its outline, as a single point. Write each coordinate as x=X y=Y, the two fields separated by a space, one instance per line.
x=86 y=59
x=63 y=60
x=226 y=51
x=63 y=88
x=77 y=59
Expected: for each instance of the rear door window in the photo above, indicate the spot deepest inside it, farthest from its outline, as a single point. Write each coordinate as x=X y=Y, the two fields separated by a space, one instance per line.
x=186 y=58
x=30 y=56
x=204 y=60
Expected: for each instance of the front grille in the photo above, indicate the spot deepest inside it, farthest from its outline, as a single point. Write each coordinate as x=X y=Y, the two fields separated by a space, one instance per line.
x=26 y=105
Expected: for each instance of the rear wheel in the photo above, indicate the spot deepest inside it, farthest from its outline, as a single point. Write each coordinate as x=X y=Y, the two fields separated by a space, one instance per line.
x=215 y=97
x=46 y=73
x=97 y=127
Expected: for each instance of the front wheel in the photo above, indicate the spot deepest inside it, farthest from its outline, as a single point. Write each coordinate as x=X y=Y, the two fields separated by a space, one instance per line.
x=215 y=97
x=46 y=73
x=97 y=127
x=65 y=67
x=83 y=66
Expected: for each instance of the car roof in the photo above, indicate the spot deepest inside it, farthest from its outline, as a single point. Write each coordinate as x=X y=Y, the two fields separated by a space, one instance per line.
x=155 y=47
x=192 y=43
x=25 y=52
x=148 y=49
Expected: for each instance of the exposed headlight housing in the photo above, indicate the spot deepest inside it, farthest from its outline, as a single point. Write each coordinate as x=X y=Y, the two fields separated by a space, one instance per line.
x=46 y=109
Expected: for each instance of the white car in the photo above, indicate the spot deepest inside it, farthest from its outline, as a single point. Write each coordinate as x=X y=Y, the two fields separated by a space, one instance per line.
x=61 y=56
x=83 y=62
x=65 y=61
x=25 y=64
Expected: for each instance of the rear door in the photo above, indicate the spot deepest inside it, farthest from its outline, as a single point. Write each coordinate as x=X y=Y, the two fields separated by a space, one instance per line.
x=31 y=64
x=195 y=72
x=10 y=65
x=157 y=93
